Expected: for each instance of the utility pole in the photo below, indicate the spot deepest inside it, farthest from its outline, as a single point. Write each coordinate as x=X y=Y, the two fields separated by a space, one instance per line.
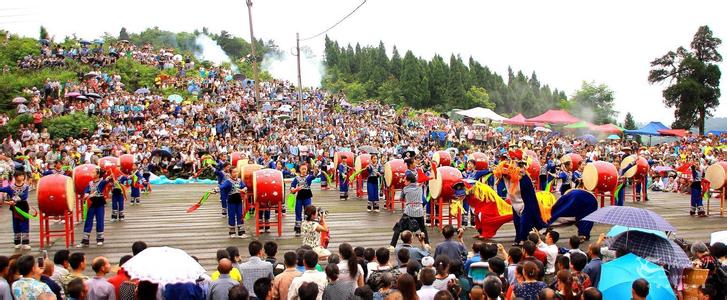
x=300 y=82
x=254 y=58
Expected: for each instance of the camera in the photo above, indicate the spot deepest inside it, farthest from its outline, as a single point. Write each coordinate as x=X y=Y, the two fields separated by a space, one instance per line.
x=322 y=212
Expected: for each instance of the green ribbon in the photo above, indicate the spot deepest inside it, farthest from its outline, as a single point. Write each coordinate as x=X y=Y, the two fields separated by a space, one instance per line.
x=486 y=178
x=353 y=176
x=550 y=184
x=85 y=209
x=290 y=201
x=25 y=214
x=329 y=178
x=616 y=193
x=248 y=215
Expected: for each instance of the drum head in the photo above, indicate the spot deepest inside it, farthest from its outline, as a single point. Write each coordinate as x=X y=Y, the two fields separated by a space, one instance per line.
x=70 y=195
x=716 y=174
x=388 y=174
x=273 y=184
x=565 y=158
x=631 y=172
x=590 y=177
x=435 y=185
x=435 y=158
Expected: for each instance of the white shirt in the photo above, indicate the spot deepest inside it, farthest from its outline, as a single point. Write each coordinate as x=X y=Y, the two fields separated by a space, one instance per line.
x=427 y=292
x=314 y=276
x=551 y=252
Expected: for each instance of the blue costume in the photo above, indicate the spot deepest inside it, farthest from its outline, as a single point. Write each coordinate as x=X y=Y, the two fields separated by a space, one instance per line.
x=117 y=200
x=525 y=209
x=136 y=183
x=303 y=198
x=230 y=190
x=21 y=225
x=576 y=203
x=621 y=192
x=696 y=193
x=343 y=181
x=551 y=169
x=372 y=185
x=96 y=206
x=567 y=178
x=221 y=177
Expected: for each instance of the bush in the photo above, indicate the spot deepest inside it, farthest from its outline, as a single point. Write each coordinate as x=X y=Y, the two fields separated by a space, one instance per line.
x=15 y=123
x=72 y=125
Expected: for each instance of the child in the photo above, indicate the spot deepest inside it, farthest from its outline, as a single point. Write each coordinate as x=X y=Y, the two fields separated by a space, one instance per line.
x=118 y=196
x=343 y=173
x=17 y=193
x=96 y=202
x=303 y=195
x=372 y=183
x=231 y=191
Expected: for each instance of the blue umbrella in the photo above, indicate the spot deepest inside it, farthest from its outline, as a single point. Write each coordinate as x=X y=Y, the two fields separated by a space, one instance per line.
x=631 y=217
x=652 y=247
x=142 y=91
x=618 y=229
x=176 y=98
x=84 y=42
x=589 y=138
x=618 y=275
x=613 y=137
x=500 y=129
x=98 y=41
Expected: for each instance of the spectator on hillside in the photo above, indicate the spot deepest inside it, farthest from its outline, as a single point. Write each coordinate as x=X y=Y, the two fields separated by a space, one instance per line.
x=427 y=291
x=530 y=287
x=492 y=288
x=382 y=267
x=45 y=278
x=60 y=259
x=593 y=268
x=262 y=288
x=415 y=252
x=77 y=262
x=76 y=290
x=336 y=289
x=234 y=273
x=639 y=289
x=5 y=290
x=121 y=276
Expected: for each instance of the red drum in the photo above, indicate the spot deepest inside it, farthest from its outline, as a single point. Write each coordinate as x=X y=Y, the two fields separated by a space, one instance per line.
x=56 y=195
x=127 y=162
x=395 y=173
x=574 y=159
x=235 y=157
x=480 y=159
x=82 y=175
x=441 y=185
x=442 y=158
x=246 y=174
x=362 y=162
x=533 y=169
x=268 y=186
x=532 y=155
x=716 y=174
x=109 y=164
x=639 y=170
x=346 y=157
x=600 y=176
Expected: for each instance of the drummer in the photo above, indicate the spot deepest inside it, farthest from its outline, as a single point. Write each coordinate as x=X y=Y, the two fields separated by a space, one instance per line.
x=696 y=191
x=343 y=173
x=374 y=170
x=96 y=202
x=232 y=190
x=566 y=177
x=17 y=193
x=303 y=195
x=222 y=172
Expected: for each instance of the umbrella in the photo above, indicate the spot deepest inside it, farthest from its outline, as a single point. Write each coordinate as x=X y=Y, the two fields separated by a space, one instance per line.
x=92 y=95
x=369 y=149
x=662 y=169
x=684 y=168
x=72 y=94
x=284 y=109
x=44 y=41
x=84 y=42
x=613 y=137
x=161 y=152
x=163 y=265
x=618 y=229
x=238 y=77
x=91 y=75
x=543 y=129
x=500 y=129
x=82 y=97
x=618 y=275
x=357 y=109
x=19 y=100
x=588 y=138
x=177 y=57
x=142 y=91
x=452 y=150
x=718 y=237
x=282 y=117
x=98 y=41
x=176 y=98
x=528 y=138
x=630 y=217
x=652 y=247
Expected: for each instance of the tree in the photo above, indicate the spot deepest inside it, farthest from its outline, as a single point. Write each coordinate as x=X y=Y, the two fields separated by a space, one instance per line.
x=593 y=102
x=43 y=33
x=629 y=123
x=411 y=81
x=477 y=96
x=123 y=35
x=693 y=77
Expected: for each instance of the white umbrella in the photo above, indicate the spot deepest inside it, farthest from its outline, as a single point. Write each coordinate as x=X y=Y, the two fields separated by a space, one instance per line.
x=19 y=100
x=528 y=138
x=164 y=265
x=718 y=237
x=543 y=129
x=284 y=109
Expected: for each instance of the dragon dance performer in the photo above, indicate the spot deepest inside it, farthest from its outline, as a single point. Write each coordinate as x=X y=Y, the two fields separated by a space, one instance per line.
x=343 y=182
x=303 y=195
x=96 y=204
x=696 y=192
x=374 y=169
x=17 y=193
x=232 y=190
x=470 y=173
x=521 y=193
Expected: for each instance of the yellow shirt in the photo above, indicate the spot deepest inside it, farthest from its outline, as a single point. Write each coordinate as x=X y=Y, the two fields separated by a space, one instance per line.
x=234 y=274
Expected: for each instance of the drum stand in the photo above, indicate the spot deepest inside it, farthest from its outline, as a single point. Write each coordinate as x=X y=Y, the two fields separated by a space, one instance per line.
x=360 y=192
x=602 y=196
x=79 y=208
x=437 y=213
x=721 y=192
x=277 y=209
x=46 y=233
x=389 y=197
x=641 y=197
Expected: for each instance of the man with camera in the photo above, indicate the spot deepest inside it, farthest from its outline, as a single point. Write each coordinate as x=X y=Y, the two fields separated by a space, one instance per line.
x=415 y=252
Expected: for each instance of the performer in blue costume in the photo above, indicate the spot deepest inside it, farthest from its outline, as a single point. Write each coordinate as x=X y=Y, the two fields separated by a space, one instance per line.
x=303 y=195
x=117 y=199
x=551 y=168
x=17 y=193
x=566 y=177
x=576 y=203
x=136 y=182
x=620 y=195
x=222 y=171
x=374 y=170
x=232 y=189
x=96 y=209
x=696 y=192
x=343 y=173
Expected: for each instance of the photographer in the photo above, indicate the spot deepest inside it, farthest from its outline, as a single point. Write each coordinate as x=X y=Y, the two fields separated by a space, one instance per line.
x=413 y=218
x=313 y=226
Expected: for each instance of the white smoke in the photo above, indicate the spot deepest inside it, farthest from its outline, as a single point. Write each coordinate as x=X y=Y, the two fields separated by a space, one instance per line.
x=208 y=49
x=283 y=65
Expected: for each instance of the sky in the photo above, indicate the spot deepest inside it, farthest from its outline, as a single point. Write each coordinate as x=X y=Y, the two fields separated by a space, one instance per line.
x=565 y=42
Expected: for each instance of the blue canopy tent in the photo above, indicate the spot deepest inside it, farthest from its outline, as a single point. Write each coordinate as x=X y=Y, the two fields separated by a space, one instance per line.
x=651 y=129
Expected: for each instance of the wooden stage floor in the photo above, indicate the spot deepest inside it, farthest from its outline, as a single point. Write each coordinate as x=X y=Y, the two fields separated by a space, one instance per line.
x=162 y=220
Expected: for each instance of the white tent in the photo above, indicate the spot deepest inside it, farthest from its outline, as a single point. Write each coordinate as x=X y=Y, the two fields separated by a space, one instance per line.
x=481 y=113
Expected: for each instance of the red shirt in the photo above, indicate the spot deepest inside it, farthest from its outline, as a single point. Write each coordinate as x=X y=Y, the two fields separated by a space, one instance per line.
x=541 y=256
x=117 y=280
x=37 y=118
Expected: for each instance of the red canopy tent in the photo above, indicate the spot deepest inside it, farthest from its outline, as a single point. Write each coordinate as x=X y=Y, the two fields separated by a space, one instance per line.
x=554 y=116
x=608 y=128
x=518 y=120
x=673 y=132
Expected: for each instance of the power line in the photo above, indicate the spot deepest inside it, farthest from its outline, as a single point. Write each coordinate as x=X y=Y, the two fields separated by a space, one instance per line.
x=334 y=25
